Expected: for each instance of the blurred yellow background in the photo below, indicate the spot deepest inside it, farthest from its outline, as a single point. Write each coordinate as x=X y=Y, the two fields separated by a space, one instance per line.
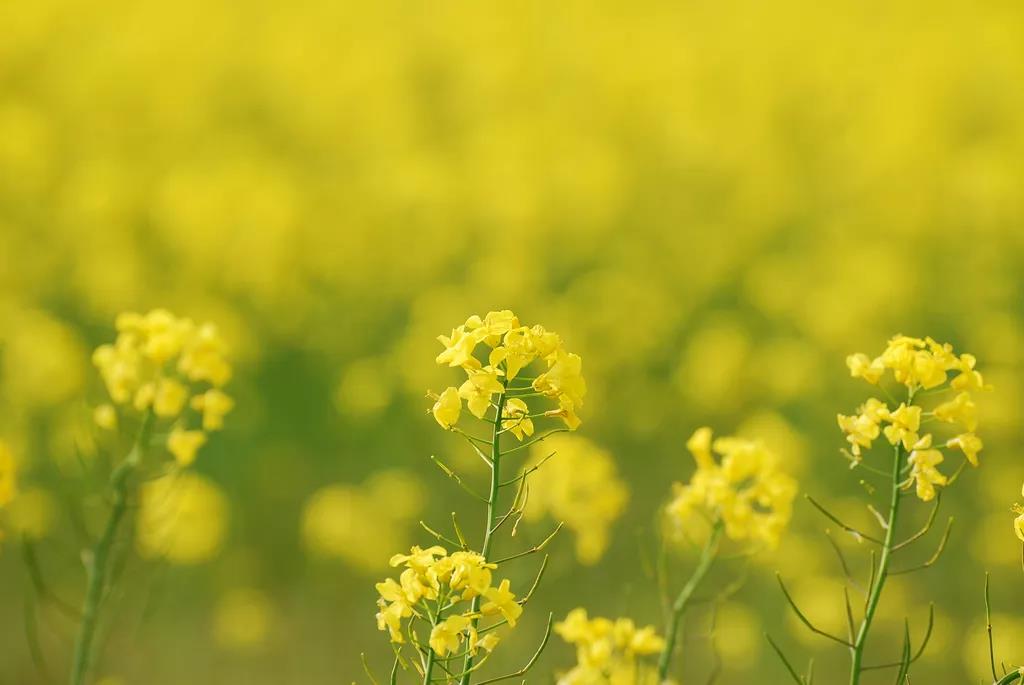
x=713 y=202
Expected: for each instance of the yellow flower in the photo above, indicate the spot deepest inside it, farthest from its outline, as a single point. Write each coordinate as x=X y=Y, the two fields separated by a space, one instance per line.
x=488 y=642
x=746 y=490
x=8 y=475
x=904 y=424
x=500 y=600
x=184 y=444
x=923 y=472
x=203 y=357
x=182 y=518
x=862 y=428
x=519 y=422
x=492 y=327
x=862 y=366
x=105 y=416
x=214 y=404
x=960 y=409
x=390 y=618
x=968 y=443
x=446 y=635
x=242 y=619
x=169 y=398
x=607 y=651
x=699 y=446
x=1018 y=523
x=470 y=573
x=564 y=378
x=418 y=559
x=514 y=347
x=580 y=486
x=447 y=408
x=458 y=349
x=479 y=388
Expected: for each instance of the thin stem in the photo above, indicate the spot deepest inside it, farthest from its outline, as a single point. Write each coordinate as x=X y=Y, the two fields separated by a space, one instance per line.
x=707 y=558
x=879 y=576
x=97 y=565
x=492 y=508
x=988 y=627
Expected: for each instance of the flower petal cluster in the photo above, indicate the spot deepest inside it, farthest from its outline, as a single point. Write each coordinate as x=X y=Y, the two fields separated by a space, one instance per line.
x=493 y=351
x=1018 y=522
x=580 y=486
x=608 y=651
x=438 y=588
x=738 y=481
x=182 y=518
x=172 y=367
x=919 y=364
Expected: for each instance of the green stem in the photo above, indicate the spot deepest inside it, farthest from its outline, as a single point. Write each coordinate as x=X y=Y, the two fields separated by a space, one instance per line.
x=857 y=650
x=492 y=513
x=707 y=558
x=97 y=565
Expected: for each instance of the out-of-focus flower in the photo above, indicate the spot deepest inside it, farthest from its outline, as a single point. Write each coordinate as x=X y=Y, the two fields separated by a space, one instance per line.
x=578 y=484
x=182 y=518
x=8 y=475
x=158 y=362
x=743 y=487
x=32 y=513
x=336 y=519
x=242 y=619
x=608 y=652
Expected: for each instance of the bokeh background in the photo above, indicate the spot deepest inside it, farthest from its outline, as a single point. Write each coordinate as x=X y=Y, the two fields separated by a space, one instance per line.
x=713 y=202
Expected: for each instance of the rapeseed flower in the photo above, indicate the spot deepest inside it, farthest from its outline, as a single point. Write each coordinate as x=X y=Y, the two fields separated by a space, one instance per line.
x=493 y=373
x=923 y=366
x=166 y=365
x=608 y=652
x=440 y=588
x=738 y=482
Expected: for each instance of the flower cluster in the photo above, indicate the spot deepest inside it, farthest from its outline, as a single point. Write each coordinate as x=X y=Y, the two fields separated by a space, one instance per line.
x=166 y=365
x=580 y=487
x=512 y=348
x=744 y=488
x=608 y=652
x=920 y=365
x=435 y=587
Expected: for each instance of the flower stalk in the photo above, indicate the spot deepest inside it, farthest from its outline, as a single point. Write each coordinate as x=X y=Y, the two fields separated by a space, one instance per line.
x=682 y=601
x=492 y=509
x=97 y=565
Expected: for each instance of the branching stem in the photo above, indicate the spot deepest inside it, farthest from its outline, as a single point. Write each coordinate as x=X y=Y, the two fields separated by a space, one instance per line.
x=707 y=558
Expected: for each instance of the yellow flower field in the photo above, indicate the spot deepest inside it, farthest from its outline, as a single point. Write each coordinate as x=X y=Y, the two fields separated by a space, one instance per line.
x=573 y=343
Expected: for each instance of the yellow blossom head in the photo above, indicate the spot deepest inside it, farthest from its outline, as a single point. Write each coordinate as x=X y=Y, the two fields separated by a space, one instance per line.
x=607 y=650
x=170 y=367
x=929 y=373
x=737 y=482
x=182 y=518
x=493 y=351
x=457 y=589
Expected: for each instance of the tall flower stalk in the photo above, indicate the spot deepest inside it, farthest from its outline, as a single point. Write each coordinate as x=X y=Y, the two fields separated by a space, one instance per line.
x=435 y=591
x=161 y=371
x=922 y=368
x=740 y=494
